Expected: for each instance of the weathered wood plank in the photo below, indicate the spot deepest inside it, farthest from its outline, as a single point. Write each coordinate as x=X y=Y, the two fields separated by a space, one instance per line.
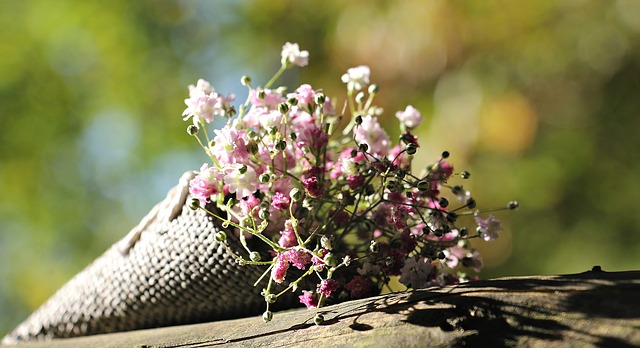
x=594 y=308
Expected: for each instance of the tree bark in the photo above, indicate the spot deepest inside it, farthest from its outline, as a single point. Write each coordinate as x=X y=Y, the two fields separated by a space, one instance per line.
x=594 y=308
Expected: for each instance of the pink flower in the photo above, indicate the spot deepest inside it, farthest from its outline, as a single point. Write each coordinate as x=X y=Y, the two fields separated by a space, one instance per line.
x=304 y=95
x=488 y=228
x=400 y=216
x=312 y=137
x=298 y=257
x=327 y=286
x=454 y=255
x=356 y=78
x=371 y=133
x=248 y=203
x=204 y=184
x=291 y=54
x=271 y=98
x=308 y=299
x=243 y=184
x=410 y=117
x=279 y=271
x=229 y=146
x=287 y=236
x=415 y=272
x=280 y=201
x=360 y=287
x=312 y=187
x=355 y=181
x=204 y=103
x=318 y=259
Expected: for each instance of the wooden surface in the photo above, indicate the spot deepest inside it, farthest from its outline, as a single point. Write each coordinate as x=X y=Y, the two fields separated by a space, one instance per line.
x=595 y=308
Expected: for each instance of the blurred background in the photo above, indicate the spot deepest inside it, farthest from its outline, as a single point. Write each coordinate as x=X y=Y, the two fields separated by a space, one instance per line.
x=539 y=100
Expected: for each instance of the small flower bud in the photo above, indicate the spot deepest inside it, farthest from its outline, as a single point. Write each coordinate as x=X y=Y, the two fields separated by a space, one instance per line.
x=295 y=194
x=318 y=319
x=426 y=230
x=363 y=147
x=292 y=101
x=231 y=112
x=255 y=256
x=195 y=204
x=360 y=97
x=373 y=89
x=471 y=203
x=192 y=130
x=423 y=185
x=464 y=232
x=369 y=190
x=354 y=153
x=443 y=202
x=445 y=154
x=452 y=216
x=465 y=175
x=389 y=261
x=392 y=185
x=320 y=98
x=374 y=247
x=264 y=214
x=264 y=178
x=271 y=298
x=457 y=190
x=325 y=242
x=243 y=169
x=283 y=108
x=441 y=255
x=358 y=120
x=252 y=147
x=261 y=94
x=220 y=236
x=281 y=145
x=407 y=138
x=513 y=205
x=267 y=316
x=330 y=259
x=411 y=148
x=245 y=80
x=293 y=136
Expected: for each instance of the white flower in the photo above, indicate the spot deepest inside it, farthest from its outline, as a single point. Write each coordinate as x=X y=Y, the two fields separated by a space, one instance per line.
x=243 y=184
x=356 y=78
x=410 y=116
x=291 y=54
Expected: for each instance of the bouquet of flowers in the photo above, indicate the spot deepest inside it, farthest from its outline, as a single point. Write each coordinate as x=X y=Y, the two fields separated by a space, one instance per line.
x=335 y=204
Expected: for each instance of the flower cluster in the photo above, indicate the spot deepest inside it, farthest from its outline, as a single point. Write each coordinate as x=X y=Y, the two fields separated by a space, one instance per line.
x=338 y=208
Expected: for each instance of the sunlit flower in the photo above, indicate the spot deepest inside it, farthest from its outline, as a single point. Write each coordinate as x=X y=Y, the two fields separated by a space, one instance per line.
x=410 y=117
x=205 y=184
x=356 y=78
x=371 y=133
x=291 y=54
x=204 y=103
x=327 y=286
x=243 y=184
x=308 y=299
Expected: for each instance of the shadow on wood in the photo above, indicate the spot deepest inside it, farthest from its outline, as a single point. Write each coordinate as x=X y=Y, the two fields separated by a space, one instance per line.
x=595 y=308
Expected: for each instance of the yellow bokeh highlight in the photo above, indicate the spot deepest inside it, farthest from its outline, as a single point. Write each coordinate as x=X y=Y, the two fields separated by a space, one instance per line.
x=508 y=124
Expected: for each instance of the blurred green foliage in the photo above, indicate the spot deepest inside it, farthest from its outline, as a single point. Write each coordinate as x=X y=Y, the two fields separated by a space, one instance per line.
x=538 y=99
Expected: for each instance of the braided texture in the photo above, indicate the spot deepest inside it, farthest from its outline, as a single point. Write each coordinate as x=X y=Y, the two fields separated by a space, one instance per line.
x=169 y=270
